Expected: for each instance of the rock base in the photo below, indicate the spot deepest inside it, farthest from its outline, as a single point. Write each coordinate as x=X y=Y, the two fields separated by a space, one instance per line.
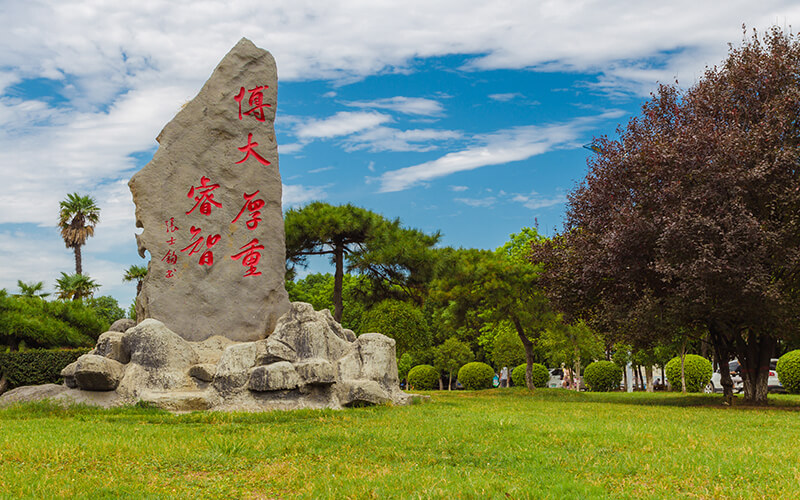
x=309 y=361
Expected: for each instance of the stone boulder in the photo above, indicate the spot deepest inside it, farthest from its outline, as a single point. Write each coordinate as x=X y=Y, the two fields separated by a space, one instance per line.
x=97 y=373
x=109 y=345
x=122 y=325
x=233 y=369
x=279 y=376
x=309 y=334
x=316 y=371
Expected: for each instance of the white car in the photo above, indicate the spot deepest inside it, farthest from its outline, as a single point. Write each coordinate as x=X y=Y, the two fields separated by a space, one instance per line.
x=773 y=384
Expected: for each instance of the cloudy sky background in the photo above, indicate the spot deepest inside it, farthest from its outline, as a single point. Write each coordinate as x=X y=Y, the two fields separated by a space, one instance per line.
x=466 y=117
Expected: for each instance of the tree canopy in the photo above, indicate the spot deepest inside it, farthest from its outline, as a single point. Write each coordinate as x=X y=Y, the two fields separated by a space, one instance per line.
x=77 y=218
x=691 y=218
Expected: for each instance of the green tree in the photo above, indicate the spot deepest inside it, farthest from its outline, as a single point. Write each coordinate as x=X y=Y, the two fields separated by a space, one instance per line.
x=136 y=273
x=507 y=348
x=450 y=357
x=31 y=289
x=77 y=219
x=318 y=289
x=107 y=308
x=402 y=321
x=573 y=345
x=75 y=286
x=404 y=365
x=324 y=229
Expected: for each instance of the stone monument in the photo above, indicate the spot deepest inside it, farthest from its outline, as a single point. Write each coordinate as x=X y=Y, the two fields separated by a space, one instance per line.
x=216 y=329
x=210 y=206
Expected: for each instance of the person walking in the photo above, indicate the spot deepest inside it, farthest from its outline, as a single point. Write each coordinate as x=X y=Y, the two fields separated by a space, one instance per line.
x=504 y=377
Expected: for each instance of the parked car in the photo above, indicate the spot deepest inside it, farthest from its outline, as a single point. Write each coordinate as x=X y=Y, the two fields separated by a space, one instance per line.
x=556 y=378
x=773 y=384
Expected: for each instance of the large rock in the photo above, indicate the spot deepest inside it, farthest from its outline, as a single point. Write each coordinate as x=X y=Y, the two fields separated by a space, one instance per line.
x=97 y=373
x=110 y=346
x=279 y=376
x=209 y=204
x=159 y=360
x=122 y=325
x=233 y=369
x=308 y=333
x=372 y=357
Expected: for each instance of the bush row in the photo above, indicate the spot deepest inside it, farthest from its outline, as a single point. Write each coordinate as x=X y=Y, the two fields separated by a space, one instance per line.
x=36 y=366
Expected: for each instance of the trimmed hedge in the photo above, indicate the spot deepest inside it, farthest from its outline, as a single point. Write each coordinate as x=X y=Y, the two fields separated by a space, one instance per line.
x=37 y=366
x=697 y=370
x=602 y=376
x=476 y=375
x=540 y=375
x=788 y=369
x=423 y=378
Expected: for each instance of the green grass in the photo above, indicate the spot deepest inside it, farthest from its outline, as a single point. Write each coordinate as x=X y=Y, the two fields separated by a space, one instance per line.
x=487 y=444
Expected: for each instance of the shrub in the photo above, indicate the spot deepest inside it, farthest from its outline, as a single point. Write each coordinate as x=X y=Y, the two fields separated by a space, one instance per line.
x=697 y=369
x=789 y=371
x=37 y=366
x=476 y=375
x=402 y=321
x=539 y=375
x=423 y=378
x=602 y=376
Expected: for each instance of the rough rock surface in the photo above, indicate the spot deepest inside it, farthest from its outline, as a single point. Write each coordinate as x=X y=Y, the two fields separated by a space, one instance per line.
x=306 y=363
x=122 y=325
x=210 y=206
x=97 y=373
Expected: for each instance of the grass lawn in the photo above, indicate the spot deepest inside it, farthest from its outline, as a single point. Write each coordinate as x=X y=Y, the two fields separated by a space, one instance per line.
x=500 y=443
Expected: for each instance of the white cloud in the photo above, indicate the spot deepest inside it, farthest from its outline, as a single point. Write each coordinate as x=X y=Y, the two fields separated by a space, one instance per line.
x=534 y=201
x=458 y=189
x=406 y=105
x=318 y=170
x=390 y=139
x=296 y=194
x=505 y=146
x=478 y=202
x=342 y=123
x=510 y=96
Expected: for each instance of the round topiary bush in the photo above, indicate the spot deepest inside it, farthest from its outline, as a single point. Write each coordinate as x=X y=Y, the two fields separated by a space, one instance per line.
x=697 y=369
x=788 y=369
x=423 y=378
x=539 y=374
x=602 y=376
x=475 y=376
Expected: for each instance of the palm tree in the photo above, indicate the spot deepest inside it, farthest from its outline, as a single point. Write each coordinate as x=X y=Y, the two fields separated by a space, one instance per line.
x=75 y=286
x=137 y=273
x=31 y=289
x=77 y=219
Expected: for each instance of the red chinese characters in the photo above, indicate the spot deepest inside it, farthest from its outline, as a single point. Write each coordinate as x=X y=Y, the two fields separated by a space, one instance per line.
x=250 y=255
x=205 y=196
x=170 y=223
x=249 y=150
x=256 y=100
x=196 y=246
x=252 y=206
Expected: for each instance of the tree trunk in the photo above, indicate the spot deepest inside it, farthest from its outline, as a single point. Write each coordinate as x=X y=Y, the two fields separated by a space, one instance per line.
x=641 y=378
x=338 y=278
x=754 y=356
x=441 y=383
x=78 y=266
x=450 y=382
x=4 y=384
x=576 y=378
x=722 y=355
x=528 y=345
x=625 y=377
x=648 y=371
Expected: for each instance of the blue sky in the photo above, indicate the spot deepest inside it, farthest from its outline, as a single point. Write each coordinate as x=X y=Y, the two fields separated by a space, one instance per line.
x=465 y=117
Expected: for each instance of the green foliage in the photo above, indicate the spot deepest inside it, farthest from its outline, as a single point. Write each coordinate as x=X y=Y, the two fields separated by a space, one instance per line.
x=75 y=286
x=789 y=371
x=451 y=356
x=507 y=348
x=36 y=366
x=602 y=376
x=697 y=371
x=107 y=308
x=317 y=289
x=32 y=289
x=476 y=375
x=569 y=344
x=38 y=323
x=132 y=310
x=404 y=364
x=423 y=378
x=540 y=375
x=402 y=321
